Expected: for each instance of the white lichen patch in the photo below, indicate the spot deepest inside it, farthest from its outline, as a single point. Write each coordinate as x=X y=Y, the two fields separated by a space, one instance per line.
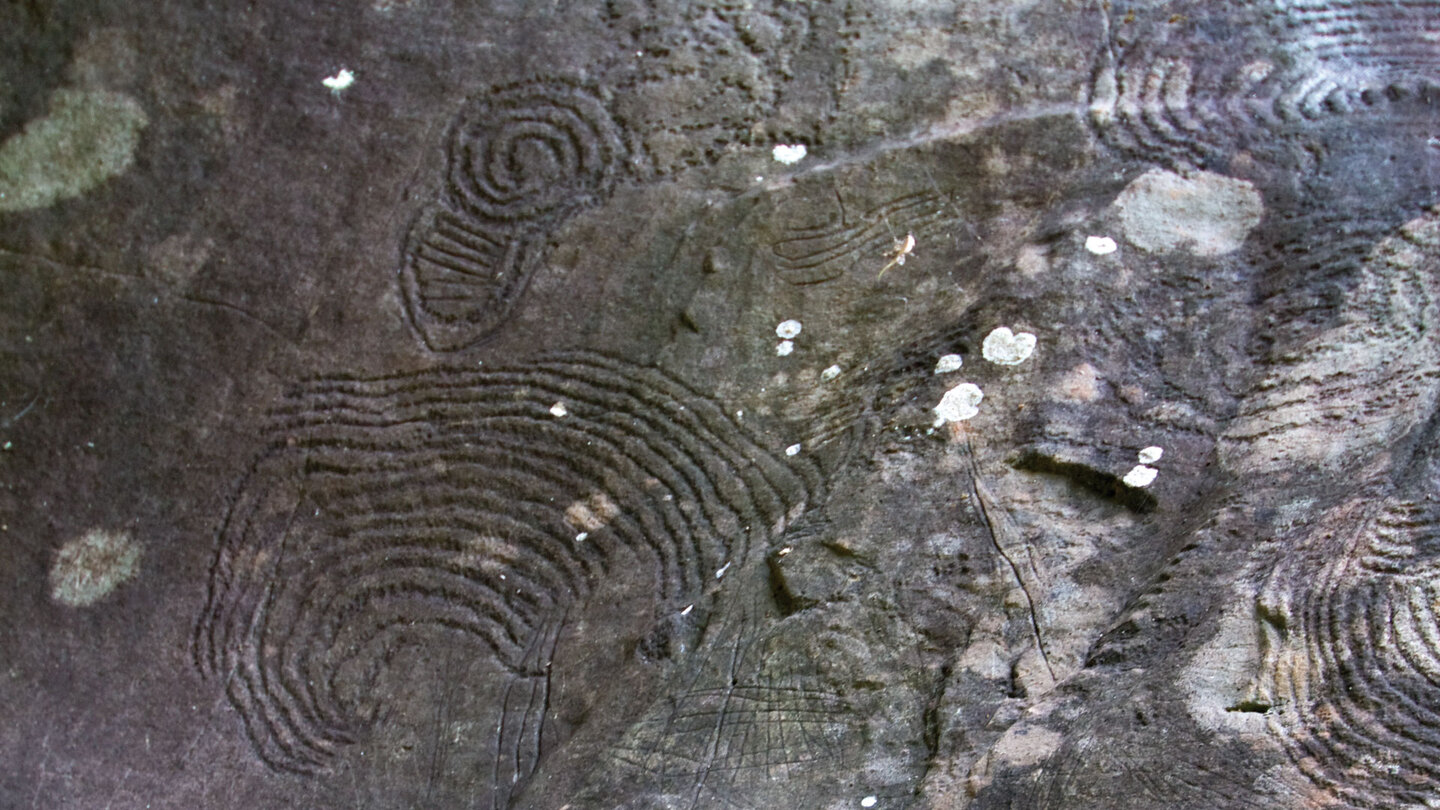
x=788 y=154
x=88 y=137
x=1007 y=348
x=788 y=330
x=784 y=348
x=1150 y=455
x=90 y=567
x=949 y=363
x=959 y=404
x=559 y=410
x=340 y=81
x=1100 y=245
x=1205 y=213
x=829 y=374
x=1140 y=476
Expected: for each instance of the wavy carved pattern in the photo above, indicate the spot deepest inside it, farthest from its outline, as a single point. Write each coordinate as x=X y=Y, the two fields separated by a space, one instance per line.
x=456 y=502
x=1186 y=84
x=1353 y=661
x=823 y=252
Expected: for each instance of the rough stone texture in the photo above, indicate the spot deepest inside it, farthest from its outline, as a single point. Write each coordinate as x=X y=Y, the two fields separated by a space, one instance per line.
x=429 y=441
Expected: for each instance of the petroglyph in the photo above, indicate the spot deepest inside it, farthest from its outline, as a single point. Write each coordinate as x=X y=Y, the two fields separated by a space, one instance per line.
x=1168 y=91
x=809 y=254
x=448 y=502
x=520 y=159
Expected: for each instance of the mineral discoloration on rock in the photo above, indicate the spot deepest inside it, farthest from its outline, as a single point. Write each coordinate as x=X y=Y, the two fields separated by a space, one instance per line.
x=1203 y=213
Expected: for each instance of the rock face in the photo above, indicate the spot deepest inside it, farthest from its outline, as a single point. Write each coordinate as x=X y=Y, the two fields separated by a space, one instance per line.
x=720 y=405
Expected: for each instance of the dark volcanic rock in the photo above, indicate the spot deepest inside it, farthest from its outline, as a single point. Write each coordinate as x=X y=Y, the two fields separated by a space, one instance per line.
x=414 y=403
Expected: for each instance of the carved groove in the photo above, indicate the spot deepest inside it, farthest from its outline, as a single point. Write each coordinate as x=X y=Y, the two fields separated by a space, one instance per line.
x=1165 y=91
x=389 y=509
x=809 y=255
x=1354 y=669
x=519 y=160
x=1352 y=664
x=1374 y=365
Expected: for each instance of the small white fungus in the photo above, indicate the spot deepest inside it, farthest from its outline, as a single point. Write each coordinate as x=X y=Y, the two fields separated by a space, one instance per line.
x=1007 y=348
x=1140 y=476
x=789 y=154
x=792 y=450
x=784 y=348
x=339 y=81
x=1100 y=245
x=558 y=410
x=868 y=801
x=959 y=403
x=829 y=374
x=787 y=330
x=1151 y=454
x=949 y=363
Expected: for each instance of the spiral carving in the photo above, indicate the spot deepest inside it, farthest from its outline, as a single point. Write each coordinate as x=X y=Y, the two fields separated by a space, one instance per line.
x=534 y=150
x=520 y=159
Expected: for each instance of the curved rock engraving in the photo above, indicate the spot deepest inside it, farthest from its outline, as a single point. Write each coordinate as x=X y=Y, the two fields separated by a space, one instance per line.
x=1353 y=665
x=808 y=255
x=519 y=160
x=463 y=503
x=1351 y=670
x=533 y=150
x=462 y=280
x=1190 y=85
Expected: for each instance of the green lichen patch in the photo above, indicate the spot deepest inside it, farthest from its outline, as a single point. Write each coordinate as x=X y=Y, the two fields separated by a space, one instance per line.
x=88 y=137
x=90 y=567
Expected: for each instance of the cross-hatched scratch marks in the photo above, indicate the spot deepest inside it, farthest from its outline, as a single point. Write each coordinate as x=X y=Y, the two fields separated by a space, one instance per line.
x=765 y=728
x=1190 y=83
x=739 y=727
x=808 y=254
x=386 y=510
x=520 y=159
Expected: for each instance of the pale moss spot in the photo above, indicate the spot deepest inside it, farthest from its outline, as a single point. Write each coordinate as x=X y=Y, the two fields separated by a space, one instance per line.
x=88 y=137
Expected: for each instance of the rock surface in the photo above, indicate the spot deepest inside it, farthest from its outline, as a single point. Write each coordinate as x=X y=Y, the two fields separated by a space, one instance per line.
x=415 y=403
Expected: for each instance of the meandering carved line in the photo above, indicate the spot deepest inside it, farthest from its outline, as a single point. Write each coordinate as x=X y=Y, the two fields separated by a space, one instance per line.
x=445 y=502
